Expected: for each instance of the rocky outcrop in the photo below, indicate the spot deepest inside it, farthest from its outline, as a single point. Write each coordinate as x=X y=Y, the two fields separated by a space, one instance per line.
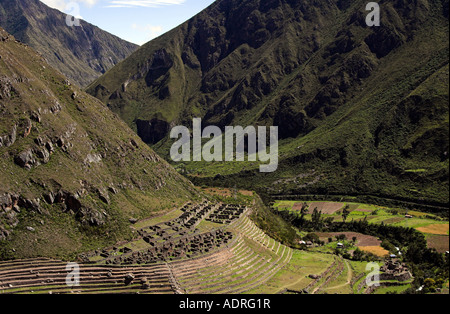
x=72 y=203
x=90 y=217
x=12 y=204
x=6 y=88
x=10 y=139
x=8 y=214
x=25 y=159
x=33 y=157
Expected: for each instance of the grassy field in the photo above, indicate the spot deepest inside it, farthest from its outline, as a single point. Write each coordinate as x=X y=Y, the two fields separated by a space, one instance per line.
x=424 y=222
x=294 y=276
x=435 y=228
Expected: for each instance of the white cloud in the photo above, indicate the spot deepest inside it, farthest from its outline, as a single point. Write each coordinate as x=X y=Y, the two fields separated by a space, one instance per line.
x=143 y=3
x=150 y=31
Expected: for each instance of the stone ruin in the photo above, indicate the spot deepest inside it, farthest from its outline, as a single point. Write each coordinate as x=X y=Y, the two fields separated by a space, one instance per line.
x=174 y=239
x=226 y=214
x=188 y=246
x=393 y=269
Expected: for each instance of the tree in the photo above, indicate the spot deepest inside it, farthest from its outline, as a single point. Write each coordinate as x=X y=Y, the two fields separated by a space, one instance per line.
x=312 y=237
x=388 y=246
x=430 y=284
x=316 y=219
x=305 y=209
x=358 y=254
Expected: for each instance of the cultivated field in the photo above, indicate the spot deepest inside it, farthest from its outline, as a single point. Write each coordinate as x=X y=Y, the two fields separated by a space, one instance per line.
x=361 y=239
x=439 y=242
x=423 y=222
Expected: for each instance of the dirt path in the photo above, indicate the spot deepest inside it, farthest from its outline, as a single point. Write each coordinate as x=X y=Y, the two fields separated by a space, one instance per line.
x=349 y=277
x=289 y=285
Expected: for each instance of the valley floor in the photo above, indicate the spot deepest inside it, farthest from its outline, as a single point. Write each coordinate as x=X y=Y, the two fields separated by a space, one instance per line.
x=209 y=248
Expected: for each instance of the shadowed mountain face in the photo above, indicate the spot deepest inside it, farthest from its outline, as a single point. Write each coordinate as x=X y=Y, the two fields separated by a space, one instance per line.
x=82 y=53
x=72 y=173
x=360 y=110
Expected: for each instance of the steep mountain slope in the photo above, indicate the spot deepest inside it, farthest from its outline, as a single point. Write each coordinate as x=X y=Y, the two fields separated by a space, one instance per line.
x=361 y=110
x=82 y=53
x=72 y=173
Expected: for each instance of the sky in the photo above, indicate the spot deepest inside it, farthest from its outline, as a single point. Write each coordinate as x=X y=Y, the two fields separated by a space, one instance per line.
x=137 y=21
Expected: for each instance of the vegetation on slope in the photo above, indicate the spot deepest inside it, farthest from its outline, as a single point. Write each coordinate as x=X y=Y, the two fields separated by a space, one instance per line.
x=360 y=110
x=72 y=173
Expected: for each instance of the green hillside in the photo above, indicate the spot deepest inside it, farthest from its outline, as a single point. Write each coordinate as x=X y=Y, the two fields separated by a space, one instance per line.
x=361 y=110
x=72 y=173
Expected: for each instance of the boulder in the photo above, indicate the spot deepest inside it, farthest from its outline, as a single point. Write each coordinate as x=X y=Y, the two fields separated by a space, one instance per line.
x=113 y=190
x=103 y=195
x=4 y=234
x=49 y=198
x=5 y=200
x=88 y=216
x=49 y=146
x=129 y=278
x=43 y=154
x=32 y=204
x=25 y=159
x=72 y=202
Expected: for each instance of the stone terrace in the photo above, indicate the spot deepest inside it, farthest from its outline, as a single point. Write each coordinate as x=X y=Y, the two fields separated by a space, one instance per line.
x=175 y=258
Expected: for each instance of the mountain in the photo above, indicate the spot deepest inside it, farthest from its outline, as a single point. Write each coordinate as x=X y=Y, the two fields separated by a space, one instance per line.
x=82 y=53
x=73 y=174
x=361 y=111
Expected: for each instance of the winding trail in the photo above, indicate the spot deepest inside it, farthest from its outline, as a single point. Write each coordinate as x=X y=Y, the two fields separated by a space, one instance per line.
x=349 y=277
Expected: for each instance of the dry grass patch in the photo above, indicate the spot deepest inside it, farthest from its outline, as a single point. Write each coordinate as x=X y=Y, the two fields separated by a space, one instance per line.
x=377 y=250
x=441 y=229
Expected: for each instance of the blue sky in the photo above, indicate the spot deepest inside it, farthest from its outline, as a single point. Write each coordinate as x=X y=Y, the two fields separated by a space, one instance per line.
x=137 y=21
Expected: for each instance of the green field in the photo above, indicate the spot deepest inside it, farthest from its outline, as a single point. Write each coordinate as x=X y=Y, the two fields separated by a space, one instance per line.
x=373 y=214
